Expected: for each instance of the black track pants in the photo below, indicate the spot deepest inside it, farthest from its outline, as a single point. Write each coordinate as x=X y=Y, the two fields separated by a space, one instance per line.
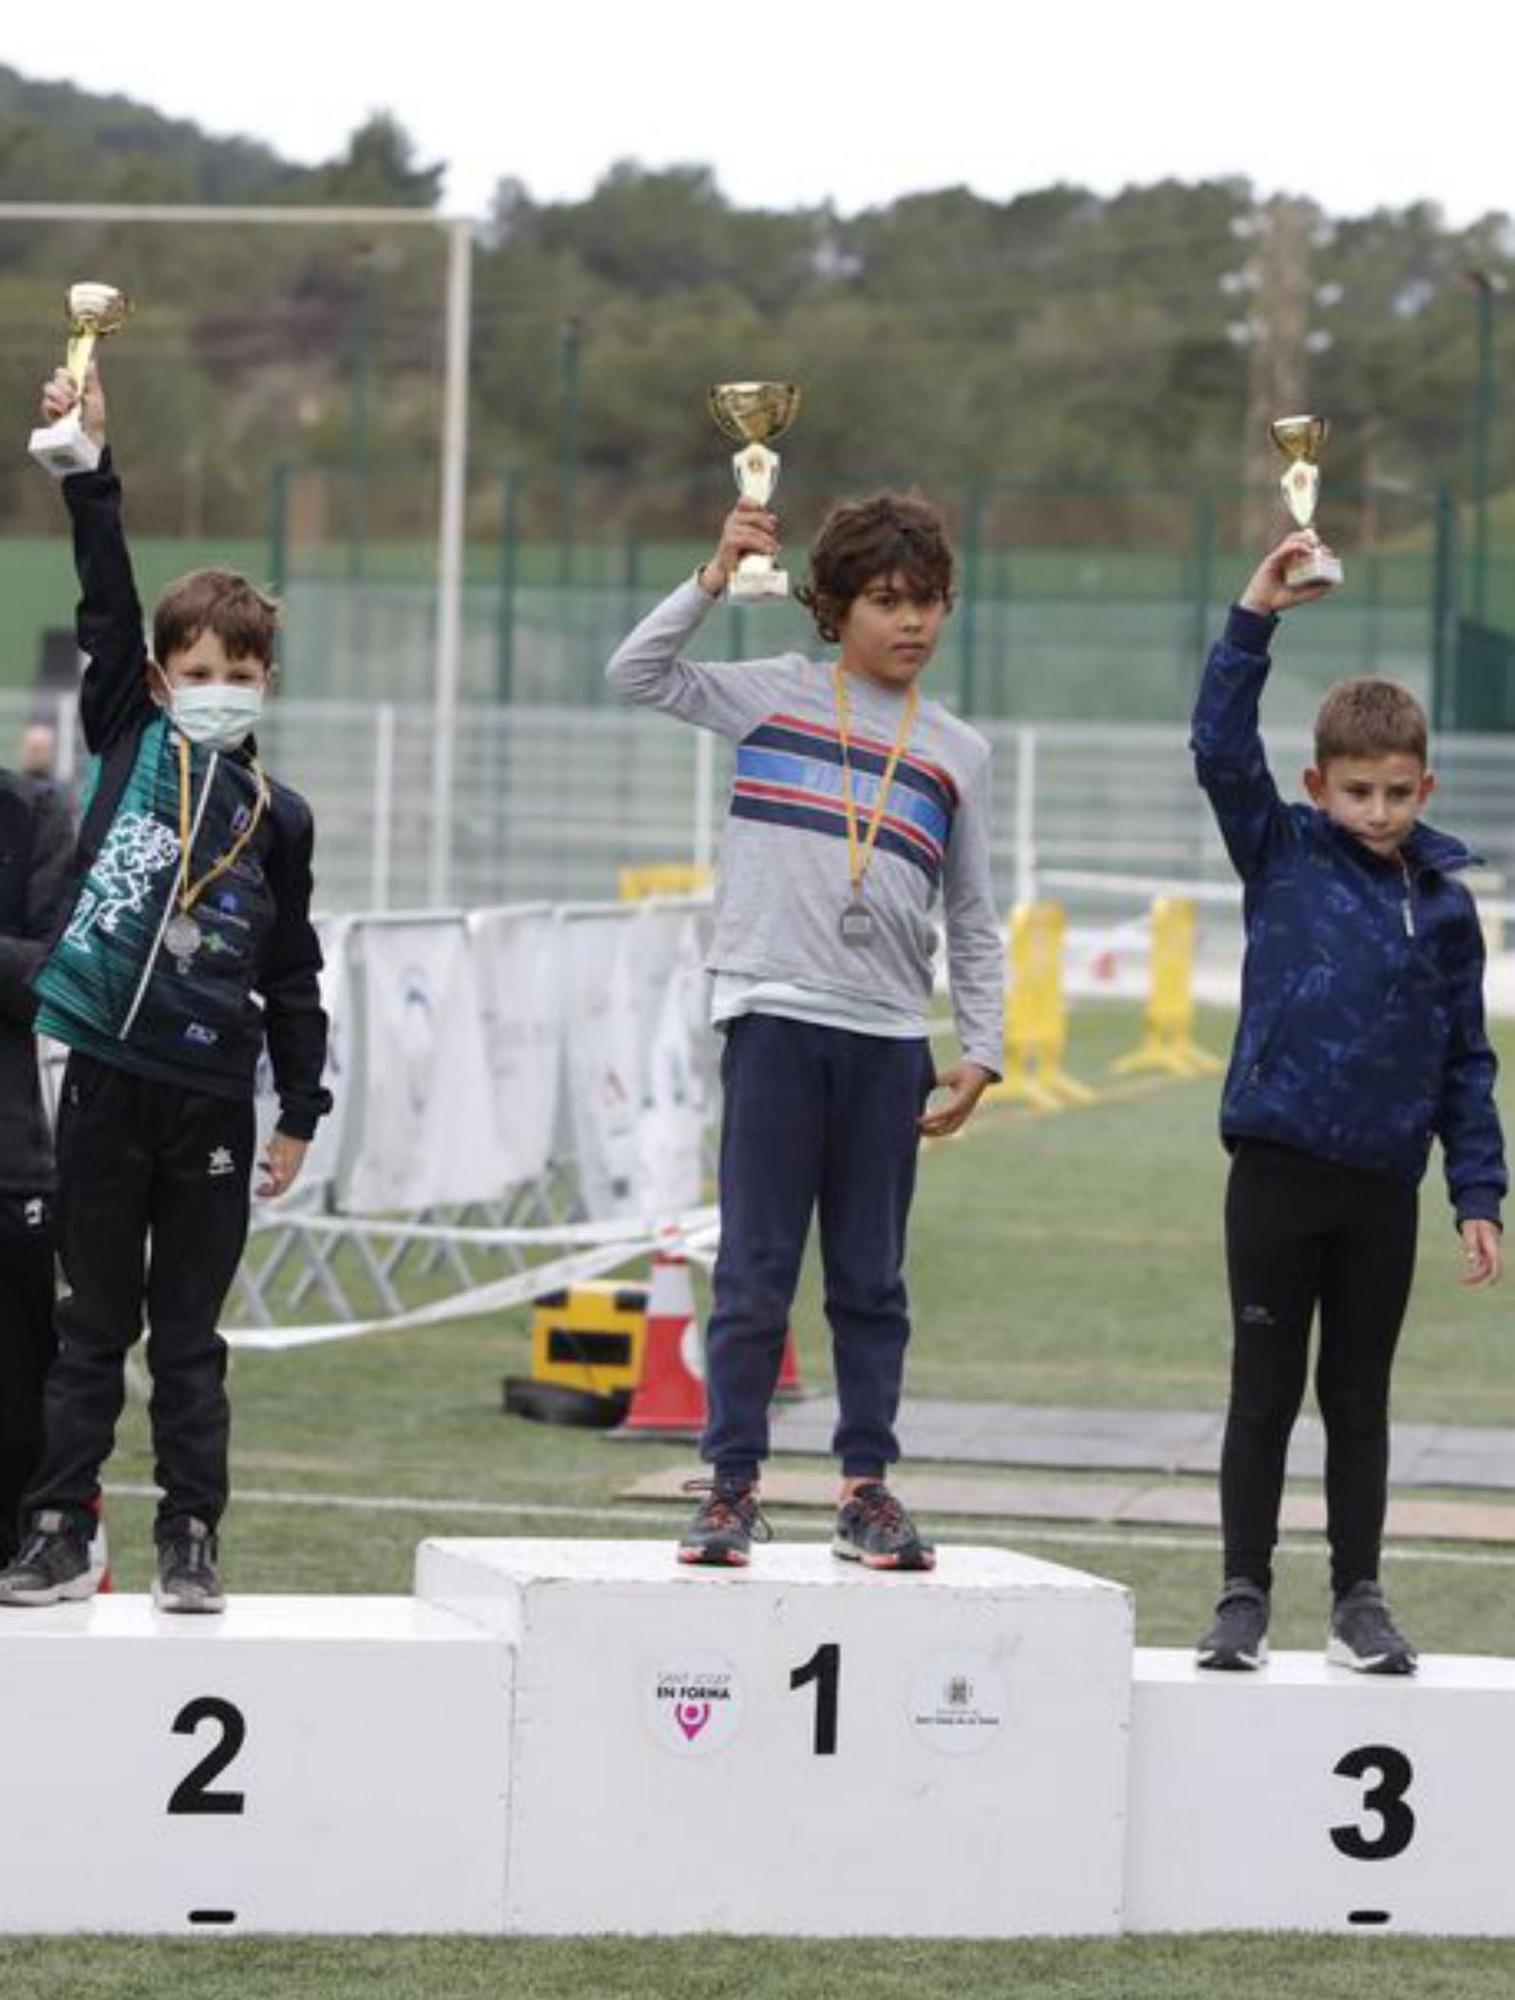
x=27 y=1346
x=152 y=1216
x=1303 y=1234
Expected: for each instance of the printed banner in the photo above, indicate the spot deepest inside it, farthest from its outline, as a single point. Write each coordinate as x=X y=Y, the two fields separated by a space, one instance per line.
x=675 y=1098
x=603 y=1065
x=518 y=954
x=425 y=1125
x=323 y=1160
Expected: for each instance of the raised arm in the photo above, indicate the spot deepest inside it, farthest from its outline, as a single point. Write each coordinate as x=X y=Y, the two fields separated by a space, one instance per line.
x=646 y=668
x=1229 y=759
x=109 y=617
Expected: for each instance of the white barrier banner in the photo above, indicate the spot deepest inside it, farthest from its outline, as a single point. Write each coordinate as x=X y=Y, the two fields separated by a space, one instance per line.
x=602 y=1059
x=425 y=1127
x=323 y=1159
x=670 y=1129
x=518 y=956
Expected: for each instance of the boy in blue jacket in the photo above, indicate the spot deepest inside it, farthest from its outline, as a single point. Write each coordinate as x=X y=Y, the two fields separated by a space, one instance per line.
x=1361 y=1038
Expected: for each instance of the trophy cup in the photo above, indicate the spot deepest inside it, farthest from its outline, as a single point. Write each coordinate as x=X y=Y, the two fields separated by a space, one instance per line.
x=93 y=312
x=1300 y=440
x=753 y=412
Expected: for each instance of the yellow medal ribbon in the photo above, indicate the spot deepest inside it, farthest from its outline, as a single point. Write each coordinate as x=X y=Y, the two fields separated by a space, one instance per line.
x=189 y=893
x=860 y=852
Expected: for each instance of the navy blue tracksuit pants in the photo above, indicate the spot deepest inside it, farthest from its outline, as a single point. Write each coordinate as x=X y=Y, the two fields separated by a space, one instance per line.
x=815 y=1119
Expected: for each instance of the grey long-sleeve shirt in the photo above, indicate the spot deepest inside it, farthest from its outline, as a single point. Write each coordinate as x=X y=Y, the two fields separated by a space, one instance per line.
x=783 y=879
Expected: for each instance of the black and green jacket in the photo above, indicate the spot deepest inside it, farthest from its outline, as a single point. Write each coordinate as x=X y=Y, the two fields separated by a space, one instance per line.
x=108 y=987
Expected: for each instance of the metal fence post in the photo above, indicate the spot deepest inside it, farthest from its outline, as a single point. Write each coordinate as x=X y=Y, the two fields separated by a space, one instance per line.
x=973 y=520
x=1204 y=586
x=505 y=623
x=1444 y=702
x=383 y=805
x=278 y=528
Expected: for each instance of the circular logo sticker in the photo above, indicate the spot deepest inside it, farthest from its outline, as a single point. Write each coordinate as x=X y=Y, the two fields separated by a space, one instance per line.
x=695 y=1704
x=957 y=1704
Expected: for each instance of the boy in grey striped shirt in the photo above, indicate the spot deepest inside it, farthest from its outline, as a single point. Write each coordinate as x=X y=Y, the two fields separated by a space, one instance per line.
x=856 y=805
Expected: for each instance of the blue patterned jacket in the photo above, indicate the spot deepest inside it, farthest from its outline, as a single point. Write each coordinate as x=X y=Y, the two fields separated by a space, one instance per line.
x=1361 y=1035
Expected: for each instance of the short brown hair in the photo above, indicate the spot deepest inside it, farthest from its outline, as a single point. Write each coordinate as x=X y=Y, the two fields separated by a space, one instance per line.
x=887 y=534
x=1369 y=718
x=244 y=618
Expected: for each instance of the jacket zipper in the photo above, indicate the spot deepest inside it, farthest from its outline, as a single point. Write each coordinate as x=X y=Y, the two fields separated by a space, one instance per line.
x=1408 y=906
x=168 y=907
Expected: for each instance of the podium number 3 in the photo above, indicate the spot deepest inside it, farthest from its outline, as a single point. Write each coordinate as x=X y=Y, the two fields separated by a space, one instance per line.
x=1396 y=1821
x=824 y=1667
x=193 y=1793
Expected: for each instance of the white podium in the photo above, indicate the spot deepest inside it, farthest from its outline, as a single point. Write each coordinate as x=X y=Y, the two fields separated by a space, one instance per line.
x=295 y=1764
x=1305 y=1797
x=802 y=1746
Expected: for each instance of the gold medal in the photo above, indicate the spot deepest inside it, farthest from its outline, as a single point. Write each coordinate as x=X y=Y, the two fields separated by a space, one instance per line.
x=182 y=935
x=856 y=923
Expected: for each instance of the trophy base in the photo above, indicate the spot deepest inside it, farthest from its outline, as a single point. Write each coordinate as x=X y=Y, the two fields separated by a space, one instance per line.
x=1317 y=567
x=751 y=587
x=63 y=448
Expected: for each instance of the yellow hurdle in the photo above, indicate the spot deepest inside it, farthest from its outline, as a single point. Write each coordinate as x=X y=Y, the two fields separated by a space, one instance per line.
x=1036 y=1018
x=1169 y=1045
x=664 y=878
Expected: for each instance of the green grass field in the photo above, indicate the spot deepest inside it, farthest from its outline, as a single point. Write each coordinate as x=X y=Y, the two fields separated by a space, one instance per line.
x=1072 y=1259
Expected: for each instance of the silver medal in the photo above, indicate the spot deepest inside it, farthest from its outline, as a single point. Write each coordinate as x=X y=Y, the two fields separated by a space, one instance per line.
x=183 y=938
x=856 y=924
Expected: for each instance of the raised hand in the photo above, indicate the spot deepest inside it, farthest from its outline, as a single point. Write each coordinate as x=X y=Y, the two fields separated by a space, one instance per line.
x=747 y=530
x=59 y=396
x=1268 y=591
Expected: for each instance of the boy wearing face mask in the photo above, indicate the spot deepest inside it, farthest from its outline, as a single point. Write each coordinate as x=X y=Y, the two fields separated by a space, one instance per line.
x=187 y=945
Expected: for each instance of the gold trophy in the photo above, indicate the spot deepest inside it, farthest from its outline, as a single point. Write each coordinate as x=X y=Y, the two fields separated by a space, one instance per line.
x=1300 y=440
x=93 y=312
x=752 y=413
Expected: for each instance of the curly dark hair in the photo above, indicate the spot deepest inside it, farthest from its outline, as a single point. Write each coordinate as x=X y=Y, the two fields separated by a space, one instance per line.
x=888 y=534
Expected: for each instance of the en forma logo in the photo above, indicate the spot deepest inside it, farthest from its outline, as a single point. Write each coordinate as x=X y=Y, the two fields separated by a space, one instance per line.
x=696 y=1704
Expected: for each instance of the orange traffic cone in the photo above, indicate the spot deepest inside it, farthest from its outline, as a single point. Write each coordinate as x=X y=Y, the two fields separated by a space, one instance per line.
x=789 y=1388
x=671 y=1394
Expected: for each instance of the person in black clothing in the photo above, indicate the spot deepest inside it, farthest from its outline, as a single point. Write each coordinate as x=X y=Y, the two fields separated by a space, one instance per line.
x=188 y=945
x=36 y=853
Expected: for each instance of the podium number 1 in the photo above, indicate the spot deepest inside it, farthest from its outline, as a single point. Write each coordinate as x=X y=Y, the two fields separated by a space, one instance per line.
x=824 y=1667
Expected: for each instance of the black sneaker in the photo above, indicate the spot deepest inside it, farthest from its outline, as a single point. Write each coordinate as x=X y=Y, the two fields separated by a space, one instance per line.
x=726 y=1523
x=1364 y=1637
x=1238 y=1640
x=186 y=1579
x=53 y=1565
x=873 y=1528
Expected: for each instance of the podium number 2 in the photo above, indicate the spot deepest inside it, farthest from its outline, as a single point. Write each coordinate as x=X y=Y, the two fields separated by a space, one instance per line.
x=824 y=1667
x=193 y=1793
x=1396 y=1821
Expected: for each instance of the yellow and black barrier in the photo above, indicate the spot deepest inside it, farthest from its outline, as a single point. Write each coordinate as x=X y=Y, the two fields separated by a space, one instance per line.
x=1168 y=1046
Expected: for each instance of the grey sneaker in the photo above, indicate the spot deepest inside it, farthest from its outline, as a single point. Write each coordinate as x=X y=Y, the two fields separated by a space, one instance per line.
x=53 y=1564
x=186 y=1579
x=1237 y=1641
x=872 y=1528
x=725 y=1523
x=1364 y=1637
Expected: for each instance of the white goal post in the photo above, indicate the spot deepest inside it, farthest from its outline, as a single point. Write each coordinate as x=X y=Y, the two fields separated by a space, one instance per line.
x=454 y=439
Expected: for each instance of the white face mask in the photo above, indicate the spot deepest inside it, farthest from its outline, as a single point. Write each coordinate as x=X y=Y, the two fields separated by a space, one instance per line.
x=219 y=715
